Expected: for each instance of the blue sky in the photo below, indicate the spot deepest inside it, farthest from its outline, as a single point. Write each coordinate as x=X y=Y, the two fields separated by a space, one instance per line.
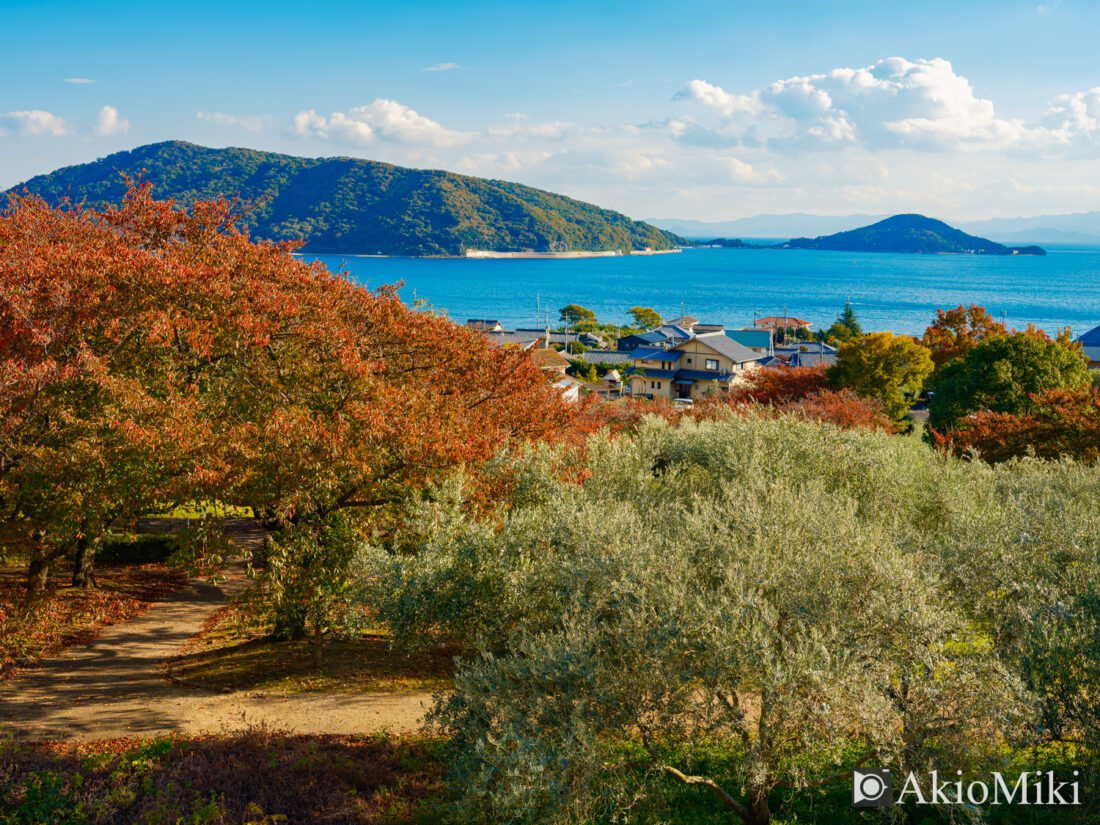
x=709 y=111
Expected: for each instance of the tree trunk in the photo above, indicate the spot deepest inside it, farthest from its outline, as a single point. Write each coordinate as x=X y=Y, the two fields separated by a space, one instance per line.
x=38 y=574
x=761 y=813
x=84 y=564
x=315 y=642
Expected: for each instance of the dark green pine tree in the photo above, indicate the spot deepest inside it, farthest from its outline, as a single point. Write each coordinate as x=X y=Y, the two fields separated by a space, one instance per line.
x=848 y=319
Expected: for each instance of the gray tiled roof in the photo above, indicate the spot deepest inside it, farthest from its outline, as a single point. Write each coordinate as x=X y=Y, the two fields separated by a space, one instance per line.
x=1091 y=352
x=604 y=356
x=723 y=345
x=812 y=359
x=526 y=336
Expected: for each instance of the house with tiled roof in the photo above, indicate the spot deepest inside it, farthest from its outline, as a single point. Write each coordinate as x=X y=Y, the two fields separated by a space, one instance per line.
x=758 y=340
x=527 y=337
x=550 y=360
x=608 y=356
x=570 y=388
x=484 y=325
x=691 y=369
x=1090 y=347
x=665 y=336
x=685 y=321
x=774 y=322
x=808 y=354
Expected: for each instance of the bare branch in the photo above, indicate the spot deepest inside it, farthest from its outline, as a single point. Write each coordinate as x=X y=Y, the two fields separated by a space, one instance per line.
x=740 y=808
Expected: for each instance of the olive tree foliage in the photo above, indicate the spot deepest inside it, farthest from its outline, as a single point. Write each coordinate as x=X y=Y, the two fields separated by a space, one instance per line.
x=869 y=601
x=1022 y=550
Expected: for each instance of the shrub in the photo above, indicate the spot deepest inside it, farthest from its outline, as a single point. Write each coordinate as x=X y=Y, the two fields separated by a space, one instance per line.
x=798 y=596
x=148 y=548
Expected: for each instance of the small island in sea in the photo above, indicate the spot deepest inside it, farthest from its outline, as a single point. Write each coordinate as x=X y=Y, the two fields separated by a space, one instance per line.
x=900 y=233
x=910 y=233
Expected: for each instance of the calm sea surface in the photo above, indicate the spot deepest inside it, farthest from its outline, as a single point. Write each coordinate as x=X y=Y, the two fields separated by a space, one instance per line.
x=888 y=291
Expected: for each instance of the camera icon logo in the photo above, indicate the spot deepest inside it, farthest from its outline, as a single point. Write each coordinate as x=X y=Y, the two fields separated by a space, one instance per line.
x=871 y=788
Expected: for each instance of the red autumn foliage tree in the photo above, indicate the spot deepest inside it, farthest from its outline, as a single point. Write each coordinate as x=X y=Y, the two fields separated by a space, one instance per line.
x=800 y=391
x=205 y=365
x=1064 y=422
x=622 y=415
x=955 y=332
x=780 y=386
x=843 y=409
x=82 y=439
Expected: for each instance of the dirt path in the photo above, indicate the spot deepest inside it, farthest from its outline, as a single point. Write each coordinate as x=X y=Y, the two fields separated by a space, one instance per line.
x=116 y=686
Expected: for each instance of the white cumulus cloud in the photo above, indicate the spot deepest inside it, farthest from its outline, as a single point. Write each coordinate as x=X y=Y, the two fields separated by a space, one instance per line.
x=718 y=99
x=109 y=123
x=33 y=122
x=742 y=172
x=77 y=80
x=893 y=103
x=442 y=67
x=381 y=120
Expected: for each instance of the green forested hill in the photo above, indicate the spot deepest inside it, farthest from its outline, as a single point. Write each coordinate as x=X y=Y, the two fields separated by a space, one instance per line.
x=909 y=233
x=359 y=206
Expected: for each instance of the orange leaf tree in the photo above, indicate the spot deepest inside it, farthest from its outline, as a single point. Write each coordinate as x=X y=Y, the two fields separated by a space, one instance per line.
x=227 y=369
x=1061 y=422
x=955 y=332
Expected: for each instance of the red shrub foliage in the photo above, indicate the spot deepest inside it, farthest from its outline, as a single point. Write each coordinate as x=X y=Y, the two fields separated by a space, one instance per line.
x=622 y=415
x=780 y=386
x=1065 y=422
x=802 y=391
x=844 y=409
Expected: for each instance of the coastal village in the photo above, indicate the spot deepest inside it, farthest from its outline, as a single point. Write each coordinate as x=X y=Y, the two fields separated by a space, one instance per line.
x=682 y=360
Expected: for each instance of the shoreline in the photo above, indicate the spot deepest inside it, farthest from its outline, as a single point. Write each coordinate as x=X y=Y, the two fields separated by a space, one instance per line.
x=479 y=254
x=487 y=254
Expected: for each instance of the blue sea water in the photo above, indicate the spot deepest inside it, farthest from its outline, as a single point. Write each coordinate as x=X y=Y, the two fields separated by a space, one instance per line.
x=898 y=292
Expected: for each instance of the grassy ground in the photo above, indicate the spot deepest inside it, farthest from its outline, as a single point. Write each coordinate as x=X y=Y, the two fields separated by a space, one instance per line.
x=199 y=509
x=242 y=658
x=830 y=804
x=69 y=616
x=261 y=778
x=257 y=777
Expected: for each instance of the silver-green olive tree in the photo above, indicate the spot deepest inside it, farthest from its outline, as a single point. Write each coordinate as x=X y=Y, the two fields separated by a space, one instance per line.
x=689 y=594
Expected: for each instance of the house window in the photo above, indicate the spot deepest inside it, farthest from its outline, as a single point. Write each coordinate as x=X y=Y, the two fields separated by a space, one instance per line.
x=652 y=384
x=689 y=360
x=658 y=385
x=712 y=363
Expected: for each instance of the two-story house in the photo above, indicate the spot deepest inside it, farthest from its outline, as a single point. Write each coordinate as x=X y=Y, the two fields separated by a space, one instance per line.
x=700 y=365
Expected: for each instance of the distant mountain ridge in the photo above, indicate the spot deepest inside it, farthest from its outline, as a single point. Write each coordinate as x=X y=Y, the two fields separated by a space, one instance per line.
x=909 y=233
x=347 y=205
x=1076 y=227
x=790 y=225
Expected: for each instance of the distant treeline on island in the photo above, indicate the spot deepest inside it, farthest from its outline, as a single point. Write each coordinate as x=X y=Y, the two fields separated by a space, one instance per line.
x=348 y=205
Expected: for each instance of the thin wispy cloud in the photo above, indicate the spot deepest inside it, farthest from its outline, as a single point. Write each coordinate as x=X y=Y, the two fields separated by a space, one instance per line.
x=253 y=123
x=442 y=67
x=78 y=80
